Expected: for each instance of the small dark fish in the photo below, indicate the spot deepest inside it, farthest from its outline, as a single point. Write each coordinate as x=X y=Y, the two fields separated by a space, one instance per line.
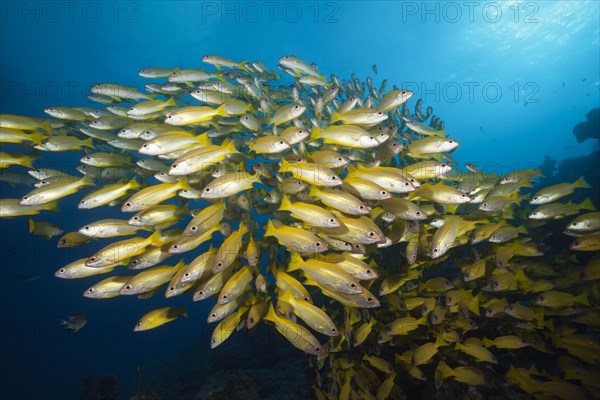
x=25 y=278
x=74 y=322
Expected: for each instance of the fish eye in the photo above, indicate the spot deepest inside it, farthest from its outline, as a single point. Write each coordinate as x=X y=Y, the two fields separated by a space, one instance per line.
x=575 y=243
x=541 y=298
x=127 y=287
x=224 y=296
x=175 y=246
x=281 y=142
x=296 y=106
x=92 y=258
x=340 y=159
x=435 y=250
x=145 y=145
x=418 y=213
x=91 y=290
x=206 y=190
x=334 y=178
x=127 y=204
x=450 y=141
x=194 y=228
x=352 y=285
x=371 y=138
x=25 y=197
x=371 y=234
x=535 y=198
x=494 y=284
x=331 y=220
x=380 y=113
x=368 y=271
x=136 y=261
x=61 y=270
x=485 y=204
x=369 y=299
x=82 y=202
x=383 y=193
x=318 y=244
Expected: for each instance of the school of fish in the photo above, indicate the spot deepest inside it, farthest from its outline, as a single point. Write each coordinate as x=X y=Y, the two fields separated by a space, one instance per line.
x=324 y=208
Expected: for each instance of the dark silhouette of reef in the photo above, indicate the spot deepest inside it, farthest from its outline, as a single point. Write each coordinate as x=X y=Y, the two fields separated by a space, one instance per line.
x=100 y=388
x=249 y=366
x=589 y=129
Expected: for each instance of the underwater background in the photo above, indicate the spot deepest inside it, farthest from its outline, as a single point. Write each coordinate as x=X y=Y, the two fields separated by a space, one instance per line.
x=509 y=79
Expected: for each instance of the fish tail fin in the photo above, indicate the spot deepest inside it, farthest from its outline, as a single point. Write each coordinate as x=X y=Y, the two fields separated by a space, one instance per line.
x=28 y=162
x=539 y=319
x=440 y=341
x=171 y=102
x=222 y=110
x=441 y=133
x=316 y=133
x=295 y=261
x=441 y=373
x=203 y=139
x=46 y=126
x=284 y=166
x=134 y=184
x=243 y=228
x=270 y=231
x=183 y=184
x=335 y=116
x=50 y=206
x=587 y=204
x=230 y=146
x=313 y=191
x=285 y=203
x=37 y=137
x=31 y=225
x=486 y=342
x=271 y=315
x=185 y=209
x=88 y=143
x=182 y=311
x=242 y=65
x=549 y=324
x=583 y=299
x=581 y=183
x=87 y=180
x=155 y=238
x=285 y=296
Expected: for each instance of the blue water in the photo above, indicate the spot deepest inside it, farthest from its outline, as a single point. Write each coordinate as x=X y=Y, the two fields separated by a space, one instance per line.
x=510 y=80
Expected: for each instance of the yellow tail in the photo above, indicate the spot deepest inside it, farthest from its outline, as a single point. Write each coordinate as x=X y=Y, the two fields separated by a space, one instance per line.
x=581 y=183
